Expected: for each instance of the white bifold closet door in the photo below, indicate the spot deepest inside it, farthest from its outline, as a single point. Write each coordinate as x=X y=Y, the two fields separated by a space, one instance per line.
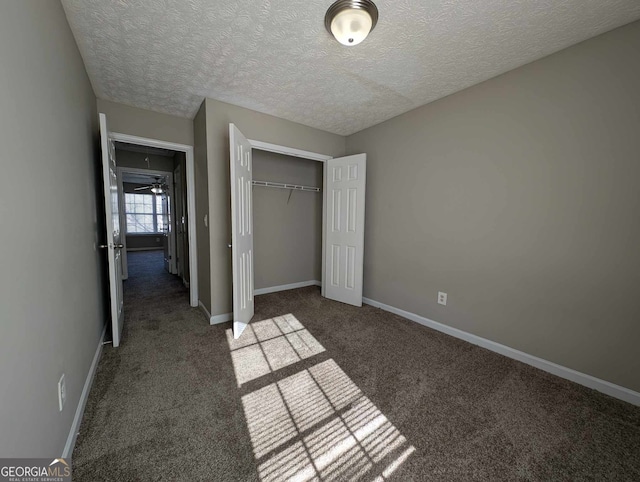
x=241 y=230
x=345 y=179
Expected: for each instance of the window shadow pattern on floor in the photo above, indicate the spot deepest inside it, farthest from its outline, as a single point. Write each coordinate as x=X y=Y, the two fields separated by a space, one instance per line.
x=314 y=425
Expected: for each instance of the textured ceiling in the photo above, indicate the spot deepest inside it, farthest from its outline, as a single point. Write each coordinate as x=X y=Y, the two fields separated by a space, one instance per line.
x=276 y=57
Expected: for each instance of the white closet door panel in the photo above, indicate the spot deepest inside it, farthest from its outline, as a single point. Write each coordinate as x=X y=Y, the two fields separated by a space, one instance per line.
x=344 y=246
x=241 y=230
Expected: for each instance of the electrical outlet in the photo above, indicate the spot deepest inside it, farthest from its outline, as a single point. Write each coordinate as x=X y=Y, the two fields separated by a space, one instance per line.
x=62 y=392
x=442 y=298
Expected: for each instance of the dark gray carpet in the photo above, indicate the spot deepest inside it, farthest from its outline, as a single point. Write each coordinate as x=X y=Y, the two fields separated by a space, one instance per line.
x=362 y=394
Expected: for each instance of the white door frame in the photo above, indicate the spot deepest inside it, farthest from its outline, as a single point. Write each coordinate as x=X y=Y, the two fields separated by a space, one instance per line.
x=123 y=214
x=191 y=200
x=314 y=156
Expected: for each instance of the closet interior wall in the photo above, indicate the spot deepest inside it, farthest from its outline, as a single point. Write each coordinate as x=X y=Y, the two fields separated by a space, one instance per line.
x=287 y=225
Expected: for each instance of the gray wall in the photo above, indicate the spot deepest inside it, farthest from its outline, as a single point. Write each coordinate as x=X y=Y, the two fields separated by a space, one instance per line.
x=519 y=198
x=202 y=206
x=50 y=286
x=256 y=126
x=125 y=119
x=287 y=236
x=140 y=242
x=137 y=160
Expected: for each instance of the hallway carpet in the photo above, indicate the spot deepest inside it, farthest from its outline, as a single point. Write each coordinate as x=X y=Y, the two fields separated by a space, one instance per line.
x=318 y=390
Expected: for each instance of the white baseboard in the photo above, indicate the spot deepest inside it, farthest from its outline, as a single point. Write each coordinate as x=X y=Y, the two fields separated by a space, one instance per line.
x=223 y=318
x=77 y=419
x=292 y=286
x=204 y=310
x=215 y=319
x=145 y=249
x=603 y=386
x=185 y=283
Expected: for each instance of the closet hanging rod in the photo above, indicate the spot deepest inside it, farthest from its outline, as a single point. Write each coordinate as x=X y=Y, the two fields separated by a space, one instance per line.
x=281 y=185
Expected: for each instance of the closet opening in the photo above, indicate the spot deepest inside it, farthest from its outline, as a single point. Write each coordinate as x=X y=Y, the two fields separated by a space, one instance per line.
x=287 y=221
x=342 y=223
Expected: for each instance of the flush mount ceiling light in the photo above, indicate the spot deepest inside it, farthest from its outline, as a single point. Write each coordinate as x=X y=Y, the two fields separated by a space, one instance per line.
x=350 y=21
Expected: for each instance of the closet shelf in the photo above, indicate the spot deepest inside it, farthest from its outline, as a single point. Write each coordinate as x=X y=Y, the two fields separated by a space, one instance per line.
x=281 y=185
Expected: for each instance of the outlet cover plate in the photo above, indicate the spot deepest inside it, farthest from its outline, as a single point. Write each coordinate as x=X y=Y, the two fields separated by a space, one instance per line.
x=442 y=298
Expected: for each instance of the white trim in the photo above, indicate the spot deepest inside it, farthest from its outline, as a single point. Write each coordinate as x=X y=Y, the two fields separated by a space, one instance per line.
x=157 y=248
x=603 y=386
x=191 y=200
x=325 y=220
x=291 y=286
x=204 y=309
x=84 y=396
x=223 y=318
x=288 y=151
x=191 y=226
x=145 y=141
x=216 y=319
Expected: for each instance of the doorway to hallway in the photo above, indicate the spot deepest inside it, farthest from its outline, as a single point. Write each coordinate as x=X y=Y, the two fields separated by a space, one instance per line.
x=151 y=292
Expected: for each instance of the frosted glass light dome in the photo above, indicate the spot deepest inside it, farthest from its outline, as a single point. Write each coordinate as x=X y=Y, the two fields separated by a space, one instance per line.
x=350 y=21
x=351 y=26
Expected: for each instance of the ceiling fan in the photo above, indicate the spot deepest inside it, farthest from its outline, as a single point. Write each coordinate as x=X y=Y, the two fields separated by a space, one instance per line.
x=157 y=187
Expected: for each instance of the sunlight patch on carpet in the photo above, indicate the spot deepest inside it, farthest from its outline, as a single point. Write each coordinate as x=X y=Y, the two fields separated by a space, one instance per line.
x=314 y=425
x=269 y=345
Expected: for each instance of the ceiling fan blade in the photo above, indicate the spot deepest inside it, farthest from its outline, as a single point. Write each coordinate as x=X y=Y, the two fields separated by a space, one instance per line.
x=142 y=188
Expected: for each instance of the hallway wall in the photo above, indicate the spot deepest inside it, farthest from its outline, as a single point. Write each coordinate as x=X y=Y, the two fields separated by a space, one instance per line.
x=137 y=161
x=51 y=305
x=125 y=119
